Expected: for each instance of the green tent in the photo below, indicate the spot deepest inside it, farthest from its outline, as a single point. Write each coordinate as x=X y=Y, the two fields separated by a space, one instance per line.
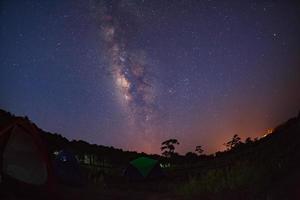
x=142 y=168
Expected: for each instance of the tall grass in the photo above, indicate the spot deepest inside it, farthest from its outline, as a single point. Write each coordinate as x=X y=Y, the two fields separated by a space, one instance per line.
x=240 y=176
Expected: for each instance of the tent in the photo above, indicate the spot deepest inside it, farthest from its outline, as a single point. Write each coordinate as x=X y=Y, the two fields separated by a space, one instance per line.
x=67 y=169
x=24 y=161
x=143 y=168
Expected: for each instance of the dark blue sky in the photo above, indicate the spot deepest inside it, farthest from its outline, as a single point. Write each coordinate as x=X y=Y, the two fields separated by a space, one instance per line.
x=134 y=73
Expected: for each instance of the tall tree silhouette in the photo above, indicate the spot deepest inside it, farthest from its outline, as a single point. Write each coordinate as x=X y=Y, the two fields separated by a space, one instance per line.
x=199 y=149
x=168 y=147
x=248 y=140
x=235 y=141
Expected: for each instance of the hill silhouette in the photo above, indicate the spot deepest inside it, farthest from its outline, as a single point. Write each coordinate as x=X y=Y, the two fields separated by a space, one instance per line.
x=92 y=153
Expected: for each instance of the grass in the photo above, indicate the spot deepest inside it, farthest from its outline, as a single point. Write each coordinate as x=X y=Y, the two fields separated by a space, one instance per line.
x=239 y=177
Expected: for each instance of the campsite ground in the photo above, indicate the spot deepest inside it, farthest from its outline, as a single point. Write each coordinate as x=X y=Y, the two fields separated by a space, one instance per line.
x=173 y=187
x=154 y=190
x=166 y=189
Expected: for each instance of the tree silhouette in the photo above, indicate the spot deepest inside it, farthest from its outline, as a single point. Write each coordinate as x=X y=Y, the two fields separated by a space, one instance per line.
x=248 y=140
x=199 y=150
x=234 y=142
x=168 y=147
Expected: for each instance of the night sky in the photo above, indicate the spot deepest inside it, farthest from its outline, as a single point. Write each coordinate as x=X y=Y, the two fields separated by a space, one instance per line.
x=131 y=74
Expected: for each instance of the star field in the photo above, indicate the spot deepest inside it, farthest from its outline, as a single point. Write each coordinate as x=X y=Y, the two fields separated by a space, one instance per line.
x=132 y=74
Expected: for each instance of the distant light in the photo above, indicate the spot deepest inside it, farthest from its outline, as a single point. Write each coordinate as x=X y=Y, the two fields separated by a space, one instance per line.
x=270 y=130
x=166 y=165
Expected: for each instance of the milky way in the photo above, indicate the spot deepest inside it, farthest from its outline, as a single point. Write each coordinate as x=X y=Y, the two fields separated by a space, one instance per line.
x=128 y=66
